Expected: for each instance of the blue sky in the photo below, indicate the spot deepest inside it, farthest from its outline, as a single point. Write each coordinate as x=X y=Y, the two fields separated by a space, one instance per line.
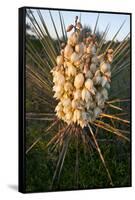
x=89 y=18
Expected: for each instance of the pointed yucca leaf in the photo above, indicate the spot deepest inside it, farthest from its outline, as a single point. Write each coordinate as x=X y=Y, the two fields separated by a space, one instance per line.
x=125 y=52
x=104 y=34
x=47 y=97
x=42 y=87
x=100 y=154
x=62 y=29
x=44 y=65
x=121 y=68
x=109 y=46
x=43 y=62
x=111 y=129
x=77 y=160
x=40 y=114
x=43 y=73
x=80 y=17
x=50 y=40
x=38 y=30
x=114 y=117
x=120 y=63
x=120 y=46
x=40 y=119
x=124 y=49
x=119 y=71
x=60 y=157
x=58 y=38
x=38 y=77
x=44 y=101
x=64 y=26
x=101 y=43
x=96 y=23
x=44 y=134
x=118 y=100
x=63 y=157
x=57 y=135
x=115 y=107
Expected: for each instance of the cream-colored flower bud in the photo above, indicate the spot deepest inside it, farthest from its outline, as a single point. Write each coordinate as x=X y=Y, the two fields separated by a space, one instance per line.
x=71 y=70
x=90 y=104
x=73 y=39
x=110 y=55
x=59 y=78
x=93 y=68
x=97 y=73
x=89 y=84
x=75 y=104
x=57 y=95
x=81 y=66
x=67 y=109
x=105 y=67
x=101 y=104
x=79 y=80
x=86 y=96
x=108 y=74
x=88 y=50
x=89 y=74
x=104 y=81
x=98 y=97
x=79 y=26
x=84 y=116
x=69 y=28
x=97 y=80
x=93 y=49
x=104 y=92
x=60 y=60
x=85 y=49
x=87 y=60
x=107 y=86
x=58 y=88
x=79 y=48
x=59 y=107
x=90 y=115
x=77 y=94
x=60 y=114
x=76 y=115
x=86 y=68
x=110 y=58
x=69 y=115
x=97 y=111
x=94 y=59
x=74 y=57
x=68 y=86
x=68 y=51
x=82 y=123
x=66 y=102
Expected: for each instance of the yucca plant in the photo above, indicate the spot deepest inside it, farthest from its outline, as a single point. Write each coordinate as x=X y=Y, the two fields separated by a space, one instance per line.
x=75 y=82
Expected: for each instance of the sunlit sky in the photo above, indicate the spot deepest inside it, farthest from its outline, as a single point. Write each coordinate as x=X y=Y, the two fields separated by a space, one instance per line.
x=89 y=19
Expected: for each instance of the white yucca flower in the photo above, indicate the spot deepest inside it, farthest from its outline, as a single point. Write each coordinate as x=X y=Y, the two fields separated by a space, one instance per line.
x=81 y=79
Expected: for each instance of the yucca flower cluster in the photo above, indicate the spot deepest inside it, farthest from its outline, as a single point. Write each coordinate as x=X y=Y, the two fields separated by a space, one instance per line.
x=81 y=78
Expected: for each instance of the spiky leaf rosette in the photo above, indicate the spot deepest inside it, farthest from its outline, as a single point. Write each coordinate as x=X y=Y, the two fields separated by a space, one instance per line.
x=82 y=68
